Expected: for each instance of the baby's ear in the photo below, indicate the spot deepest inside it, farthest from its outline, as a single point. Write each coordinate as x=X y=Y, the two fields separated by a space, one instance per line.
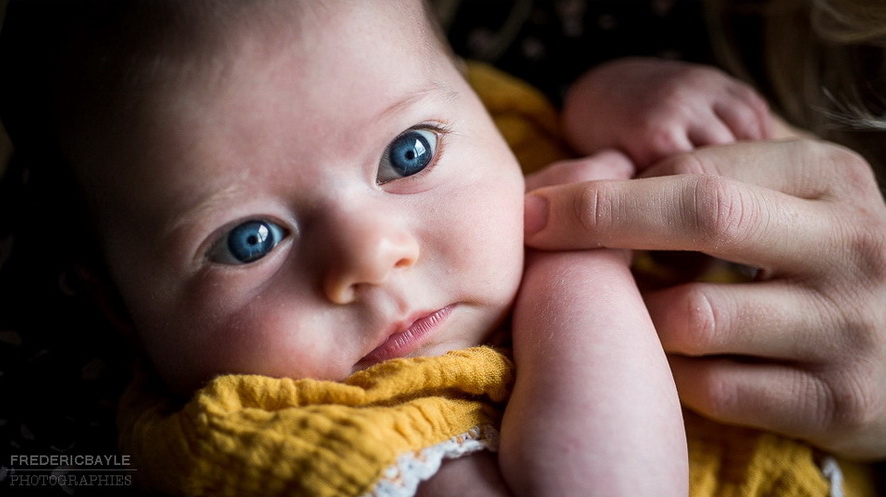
x=94 y=283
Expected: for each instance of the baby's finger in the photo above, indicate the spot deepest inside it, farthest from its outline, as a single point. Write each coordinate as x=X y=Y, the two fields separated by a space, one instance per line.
x=769 y=320
x=655 y=143
x=608 y=164
x=711 y=131
x=746 y=122
x=747 y=99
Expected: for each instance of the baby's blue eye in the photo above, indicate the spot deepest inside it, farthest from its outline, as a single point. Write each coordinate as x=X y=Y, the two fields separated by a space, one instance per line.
x=408 y=154
x=247 y=242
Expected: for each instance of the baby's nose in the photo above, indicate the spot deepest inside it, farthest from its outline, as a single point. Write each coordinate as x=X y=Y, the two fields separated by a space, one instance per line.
x=364 y=253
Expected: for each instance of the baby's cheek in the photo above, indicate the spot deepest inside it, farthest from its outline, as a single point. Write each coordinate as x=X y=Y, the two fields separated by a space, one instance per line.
x=248 y=340
x=490 y=243
x=193 y=341
x=281 y=337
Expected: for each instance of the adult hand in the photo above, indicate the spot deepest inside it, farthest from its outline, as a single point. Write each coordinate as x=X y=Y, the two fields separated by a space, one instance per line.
x=801 y=350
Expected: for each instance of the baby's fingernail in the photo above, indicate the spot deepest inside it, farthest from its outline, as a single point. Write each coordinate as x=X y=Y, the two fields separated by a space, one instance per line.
x=535 y=214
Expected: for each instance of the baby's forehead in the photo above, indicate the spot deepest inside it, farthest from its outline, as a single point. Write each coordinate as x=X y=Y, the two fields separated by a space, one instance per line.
x=206 y=40
x=212 y=49
x=240 y=73
x=127 y=59
x=90 y=57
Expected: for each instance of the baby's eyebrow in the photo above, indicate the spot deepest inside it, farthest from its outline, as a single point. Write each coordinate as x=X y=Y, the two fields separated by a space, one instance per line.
x=201 y=209
x=433 y=89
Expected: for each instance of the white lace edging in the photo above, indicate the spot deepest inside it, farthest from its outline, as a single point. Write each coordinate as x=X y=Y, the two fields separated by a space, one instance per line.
x=403 y=477
x=830 y=469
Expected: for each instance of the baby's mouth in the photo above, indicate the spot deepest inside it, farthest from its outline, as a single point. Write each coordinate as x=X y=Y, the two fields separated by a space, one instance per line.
x=409 y=338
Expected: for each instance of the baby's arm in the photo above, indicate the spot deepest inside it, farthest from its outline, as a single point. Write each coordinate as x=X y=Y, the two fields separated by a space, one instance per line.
x=651 y=108
x=594 y=409
x=476 y=475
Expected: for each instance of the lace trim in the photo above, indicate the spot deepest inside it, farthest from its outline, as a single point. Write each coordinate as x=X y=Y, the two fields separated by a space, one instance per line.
x=402 y=478
x=830 y=469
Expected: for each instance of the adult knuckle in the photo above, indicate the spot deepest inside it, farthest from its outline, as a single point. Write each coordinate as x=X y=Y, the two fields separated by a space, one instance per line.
x=852 y=176
x=854 y=321
x=856 y=247
x=592 y=207
x=867 y=246
x=858 y=235
x=720 y=212
x=848 y=394
x=831 y=409
x=858 y=172
x=851 y=404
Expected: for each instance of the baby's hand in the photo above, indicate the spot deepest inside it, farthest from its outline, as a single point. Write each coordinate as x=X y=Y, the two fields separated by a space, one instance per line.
x=652 y=108
x=602 y=165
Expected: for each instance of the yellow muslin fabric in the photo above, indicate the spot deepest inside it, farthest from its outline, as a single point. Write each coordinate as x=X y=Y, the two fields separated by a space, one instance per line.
x=257 y=436
x=248 y=435
x=733 y=461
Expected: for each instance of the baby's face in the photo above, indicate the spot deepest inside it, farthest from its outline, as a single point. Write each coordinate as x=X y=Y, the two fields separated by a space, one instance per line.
x=321 y=200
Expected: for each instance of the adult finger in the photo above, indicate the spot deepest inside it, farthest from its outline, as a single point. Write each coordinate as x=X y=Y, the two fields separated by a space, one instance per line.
x=727 y=219
x=800 y=167
x=762 y=395
x=764 y=215
x=818 y=404
x=776 y=320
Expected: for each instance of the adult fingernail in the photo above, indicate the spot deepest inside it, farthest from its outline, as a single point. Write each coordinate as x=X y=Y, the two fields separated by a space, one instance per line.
x=535 y=214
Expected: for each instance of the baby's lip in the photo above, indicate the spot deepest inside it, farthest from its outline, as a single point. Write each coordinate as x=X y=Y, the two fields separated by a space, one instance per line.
x=406 y=336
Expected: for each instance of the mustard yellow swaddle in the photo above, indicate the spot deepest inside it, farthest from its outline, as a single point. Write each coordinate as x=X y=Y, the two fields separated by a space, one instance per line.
x=378 y=432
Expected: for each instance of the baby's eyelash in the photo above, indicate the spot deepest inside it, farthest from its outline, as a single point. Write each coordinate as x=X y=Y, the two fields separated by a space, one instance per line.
x=443 y=129
x=402 y=158
x=439 y=129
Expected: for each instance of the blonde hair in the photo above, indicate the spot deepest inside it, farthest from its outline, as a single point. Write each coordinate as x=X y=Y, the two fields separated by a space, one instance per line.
x=822 y=64
x=851 y=21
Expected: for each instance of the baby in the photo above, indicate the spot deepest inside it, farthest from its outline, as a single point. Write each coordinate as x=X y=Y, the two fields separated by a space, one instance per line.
x=310 y=189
